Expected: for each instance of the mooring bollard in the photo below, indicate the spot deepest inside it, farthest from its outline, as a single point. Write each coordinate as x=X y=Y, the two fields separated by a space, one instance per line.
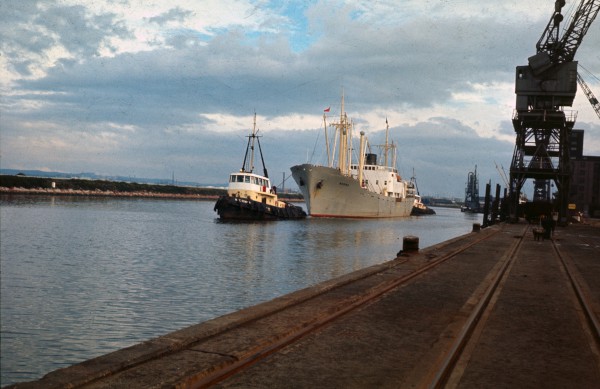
x=410 y=243
x=476 y=227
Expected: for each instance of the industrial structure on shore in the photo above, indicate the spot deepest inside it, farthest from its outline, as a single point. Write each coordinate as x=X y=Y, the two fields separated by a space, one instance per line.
x=543 y=128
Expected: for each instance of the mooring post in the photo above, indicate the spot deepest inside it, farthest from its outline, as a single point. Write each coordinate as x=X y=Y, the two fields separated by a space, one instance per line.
x=486 y=205
x=410 y=243
x=496 y=205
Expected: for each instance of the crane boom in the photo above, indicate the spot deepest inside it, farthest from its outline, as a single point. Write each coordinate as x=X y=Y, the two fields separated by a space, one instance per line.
x=502 y=175
x=573 y=35
x=549 y=39
x=553 y=49
x=590 y=96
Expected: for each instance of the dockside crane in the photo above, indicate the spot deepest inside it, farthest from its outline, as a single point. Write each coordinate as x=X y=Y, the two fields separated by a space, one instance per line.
x=543 y=128
x=502 y=175
x=588 y=93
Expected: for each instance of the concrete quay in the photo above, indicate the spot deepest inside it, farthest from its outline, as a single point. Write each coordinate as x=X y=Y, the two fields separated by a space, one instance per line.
x=494 y=308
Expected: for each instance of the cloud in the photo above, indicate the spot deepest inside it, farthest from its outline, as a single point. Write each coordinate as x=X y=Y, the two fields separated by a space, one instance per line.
x=173 y=15
x=146 y=87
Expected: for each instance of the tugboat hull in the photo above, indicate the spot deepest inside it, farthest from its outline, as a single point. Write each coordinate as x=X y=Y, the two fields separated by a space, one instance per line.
x=236 y=208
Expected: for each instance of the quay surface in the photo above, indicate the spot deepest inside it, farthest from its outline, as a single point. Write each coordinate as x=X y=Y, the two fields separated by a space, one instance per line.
x=494 y=308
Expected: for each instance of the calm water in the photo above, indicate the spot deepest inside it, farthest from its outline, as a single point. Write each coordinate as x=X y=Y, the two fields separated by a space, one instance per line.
x=82 y=277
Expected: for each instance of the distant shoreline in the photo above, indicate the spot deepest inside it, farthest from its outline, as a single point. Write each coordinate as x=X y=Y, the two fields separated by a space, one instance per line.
x=100 y=193
x=25 y=185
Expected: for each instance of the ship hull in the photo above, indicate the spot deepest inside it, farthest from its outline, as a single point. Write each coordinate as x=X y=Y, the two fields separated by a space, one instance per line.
x=328 y=193
x=235 y=208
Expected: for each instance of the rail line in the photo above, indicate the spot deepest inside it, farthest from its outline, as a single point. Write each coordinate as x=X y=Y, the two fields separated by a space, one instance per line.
x=582 y=293
x=449 y=372
x=374 y=294
x=446 y=372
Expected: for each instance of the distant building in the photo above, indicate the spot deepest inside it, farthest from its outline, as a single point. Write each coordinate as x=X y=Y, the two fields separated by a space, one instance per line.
x=585 y=178
x=576 y=144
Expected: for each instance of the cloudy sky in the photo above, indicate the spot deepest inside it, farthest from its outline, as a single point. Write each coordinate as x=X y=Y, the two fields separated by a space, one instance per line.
x=151 y=88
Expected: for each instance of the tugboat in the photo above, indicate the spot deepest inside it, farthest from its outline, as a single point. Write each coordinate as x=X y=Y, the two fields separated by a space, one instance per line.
x=250 y=196
x=419 y=209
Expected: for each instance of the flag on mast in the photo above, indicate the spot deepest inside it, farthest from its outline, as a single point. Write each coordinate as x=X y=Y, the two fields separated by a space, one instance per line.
x=327 y=109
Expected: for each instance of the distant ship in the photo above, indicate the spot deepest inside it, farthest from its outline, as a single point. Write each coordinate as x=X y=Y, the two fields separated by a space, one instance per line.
x=250 y=196
x=419 y=208
x=360 y=189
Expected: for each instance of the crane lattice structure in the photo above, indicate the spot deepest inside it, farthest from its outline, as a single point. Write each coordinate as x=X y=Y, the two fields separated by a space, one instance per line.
x=543 y=128
x=590 y=96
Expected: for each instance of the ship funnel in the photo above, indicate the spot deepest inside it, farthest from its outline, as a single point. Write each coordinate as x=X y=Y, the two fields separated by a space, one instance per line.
x=370 y=159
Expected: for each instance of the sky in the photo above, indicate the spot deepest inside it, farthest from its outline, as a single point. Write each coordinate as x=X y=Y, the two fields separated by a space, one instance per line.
x=160 y=88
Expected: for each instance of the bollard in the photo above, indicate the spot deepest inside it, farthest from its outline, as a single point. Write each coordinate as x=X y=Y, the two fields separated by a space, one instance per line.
x=476 y=227
x=410 y=243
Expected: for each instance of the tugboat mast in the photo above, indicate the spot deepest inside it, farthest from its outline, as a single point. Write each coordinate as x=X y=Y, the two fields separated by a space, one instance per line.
x=248 y=165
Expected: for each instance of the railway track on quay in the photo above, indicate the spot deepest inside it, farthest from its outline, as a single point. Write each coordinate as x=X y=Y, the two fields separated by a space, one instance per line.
x=493 y=308
x=449 y=372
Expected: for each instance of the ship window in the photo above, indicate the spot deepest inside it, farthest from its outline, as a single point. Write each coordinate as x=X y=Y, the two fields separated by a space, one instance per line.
x=384 y=182
x=240 y=178
x=376 y=182
x=247 y=179
x=232 y=178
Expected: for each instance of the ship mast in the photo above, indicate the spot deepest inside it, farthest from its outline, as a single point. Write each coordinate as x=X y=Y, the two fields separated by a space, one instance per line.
x=343 y=141
x=326 y=140
x=250 y=148
x=387 y=147
x=387 y=130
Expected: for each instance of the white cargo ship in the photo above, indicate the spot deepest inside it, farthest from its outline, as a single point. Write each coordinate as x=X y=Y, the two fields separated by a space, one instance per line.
x=359 y=188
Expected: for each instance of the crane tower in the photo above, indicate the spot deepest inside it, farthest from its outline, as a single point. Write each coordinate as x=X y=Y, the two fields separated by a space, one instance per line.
x=542 y=126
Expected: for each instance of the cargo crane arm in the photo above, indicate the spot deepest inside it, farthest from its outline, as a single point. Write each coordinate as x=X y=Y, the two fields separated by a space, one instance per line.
x=590 y=96
x=552 y=49
x=502 y=175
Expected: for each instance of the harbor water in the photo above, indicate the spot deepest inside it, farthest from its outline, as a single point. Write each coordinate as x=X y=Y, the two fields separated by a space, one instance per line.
x=81 y=277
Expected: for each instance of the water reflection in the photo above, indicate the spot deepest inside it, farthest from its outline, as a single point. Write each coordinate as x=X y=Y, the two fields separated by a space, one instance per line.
x=85 y=276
